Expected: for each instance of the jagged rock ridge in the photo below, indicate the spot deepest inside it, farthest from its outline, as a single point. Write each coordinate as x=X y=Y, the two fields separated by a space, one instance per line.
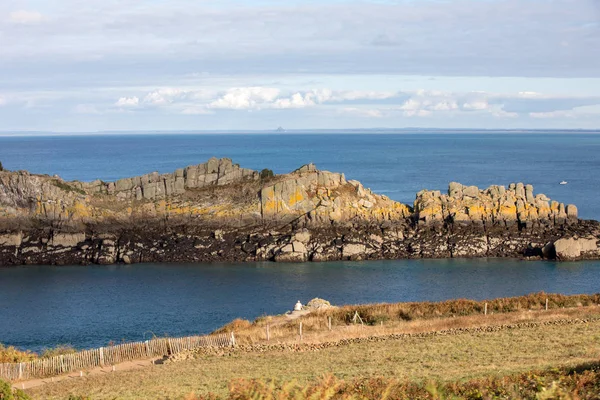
x=218 y=211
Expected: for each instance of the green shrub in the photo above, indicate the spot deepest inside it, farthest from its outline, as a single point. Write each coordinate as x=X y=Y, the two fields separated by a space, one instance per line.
x=6 y=392
x=1 y=167
x=58 y=351
x=66 y=187
x=266 y=174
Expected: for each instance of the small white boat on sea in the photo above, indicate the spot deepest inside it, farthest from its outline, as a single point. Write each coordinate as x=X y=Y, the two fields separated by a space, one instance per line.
x=564 y=182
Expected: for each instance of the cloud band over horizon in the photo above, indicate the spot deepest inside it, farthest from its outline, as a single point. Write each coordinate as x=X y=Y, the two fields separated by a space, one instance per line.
x=109 y=65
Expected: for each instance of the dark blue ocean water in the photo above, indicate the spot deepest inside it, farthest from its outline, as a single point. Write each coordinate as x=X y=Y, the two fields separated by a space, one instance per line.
x=398 y=165
x=90 y=306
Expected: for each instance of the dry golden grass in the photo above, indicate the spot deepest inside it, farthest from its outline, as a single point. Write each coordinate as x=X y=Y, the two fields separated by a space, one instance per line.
x=10 y=354
x=409 y=317
x=444 y=358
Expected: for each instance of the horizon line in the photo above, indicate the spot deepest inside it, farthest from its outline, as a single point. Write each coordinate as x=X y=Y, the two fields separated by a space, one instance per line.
x=115 y=132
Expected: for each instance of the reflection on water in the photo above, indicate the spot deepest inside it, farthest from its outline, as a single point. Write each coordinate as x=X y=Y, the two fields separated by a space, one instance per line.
x=89 y=306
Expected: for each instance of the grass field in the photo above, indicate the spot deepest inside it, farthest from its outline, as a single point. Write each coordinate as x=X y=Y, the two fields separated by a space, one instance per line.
x=416 y=359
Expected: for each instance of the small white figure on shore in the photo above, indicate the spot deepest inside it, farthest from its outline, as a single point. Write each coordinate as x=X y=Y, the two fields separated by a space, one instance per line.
x=298 y=306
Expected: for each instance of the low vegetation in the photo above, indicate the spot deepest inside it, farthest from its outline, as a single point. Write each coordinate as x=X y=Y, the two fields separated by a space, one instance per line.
x=402 y=315
x=66 y=187
x=8 y=393
x=266 y=174
x=578 y=383
x=409 y=362
x=59 y=350
x=10 y=354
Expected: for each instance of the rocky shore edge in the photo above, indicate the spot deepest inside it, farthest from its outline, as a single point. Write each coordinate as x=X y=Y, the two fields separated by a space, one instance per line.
x=220 y=212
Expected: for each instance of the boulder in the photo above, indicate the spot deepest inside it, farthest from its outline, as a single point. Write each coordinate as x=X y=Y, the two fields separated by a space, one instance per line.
x=318 y=304
x=455 y=190
x=573 y=248
x=471 y=191
x=299 y=247
x=67 y=239
x=11 y=239
x=353 y=249
x=303 y=236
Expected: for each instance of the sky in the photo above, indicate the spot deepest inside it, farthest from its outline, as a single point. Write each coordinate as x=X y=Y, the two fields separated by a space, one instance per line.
x=96 y=65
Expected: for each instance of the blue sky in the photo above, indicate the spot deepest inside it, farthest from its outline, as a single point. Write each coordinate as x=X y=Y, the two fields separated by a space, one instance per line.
x=71 y=65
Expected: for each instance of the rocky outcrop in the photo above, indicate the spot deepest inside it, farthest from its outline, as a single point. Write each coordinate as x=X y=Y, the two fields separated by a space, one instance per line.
x=495 y=205
x=218 y=211
x=157 y=186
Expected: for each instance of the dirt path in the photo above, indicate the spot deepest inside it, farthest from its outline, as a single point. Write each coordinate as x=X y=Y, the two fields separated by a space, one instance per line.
x=129 y=365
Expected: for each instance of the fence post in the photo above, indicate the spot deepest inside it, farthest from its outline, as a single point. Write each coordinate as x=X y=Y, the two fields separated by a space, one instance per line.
x=329 y=322
x=102 y=356
x=268 y=333
x=485 y=309
x=300 y=331
x=232 y=339
x=546 y=304
x=21 y=370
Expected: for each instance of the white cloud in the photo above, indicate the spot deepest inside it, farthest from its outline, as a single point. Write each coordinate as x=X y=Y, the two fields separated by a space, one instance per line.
x=500 y=113
x=163 y=96
x=297 y=100
x=128 y=102
x=476 y=105
x=361 y=112
x=246 y=98
x=552 y=114
x=3 y=101
x=530 y=95
x=345 y=95
x=424 y=103
x=417 y=113
x=25 y=17
x=445 y=105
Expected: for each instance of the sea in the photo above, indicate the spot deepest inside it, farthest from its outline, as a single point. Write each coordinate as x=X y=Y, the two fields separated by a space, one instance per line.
x=89 y=306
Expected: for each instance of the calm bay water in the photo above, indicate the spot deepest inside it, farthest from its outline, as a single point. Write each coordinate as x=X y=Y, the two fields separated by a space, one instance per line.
x=90 y=306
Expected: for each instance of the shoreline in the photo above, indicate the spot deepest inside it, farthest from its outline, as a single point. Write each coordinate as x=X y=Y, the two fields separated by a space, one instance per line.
x=227 y=264
x=422 y=310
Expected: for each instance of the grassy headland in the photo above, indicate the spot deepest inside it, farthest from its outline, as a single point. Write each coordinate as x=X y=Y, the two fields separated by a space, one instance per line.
x=446 y=351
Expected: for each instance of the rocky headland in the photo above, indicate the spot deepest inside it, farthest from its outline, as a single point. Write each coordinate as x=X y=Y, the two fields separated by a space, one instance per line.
x=218 y=211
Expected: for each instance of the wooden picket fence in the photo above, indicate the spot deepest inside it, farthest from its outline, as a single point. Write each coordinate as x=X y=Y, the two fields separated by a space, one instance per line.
x=110 y=355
